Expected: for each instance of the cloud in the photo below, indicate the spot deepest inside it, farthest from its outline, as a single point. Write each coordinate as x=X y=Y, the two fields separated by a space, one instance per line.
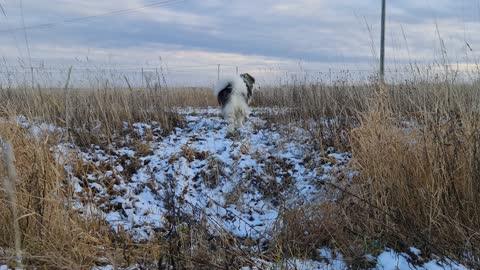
x=319 y=34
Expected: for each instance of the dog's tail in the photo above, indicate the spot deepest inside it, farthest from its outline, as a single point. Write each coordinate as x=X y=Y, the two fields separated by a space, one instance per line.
x=226 y=82
x=224 y=88
x=223 y=93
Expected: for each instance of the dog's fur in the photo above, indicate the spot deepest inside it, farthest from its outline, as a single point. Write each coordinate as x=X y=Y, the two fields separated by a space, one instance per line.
x=234 y=95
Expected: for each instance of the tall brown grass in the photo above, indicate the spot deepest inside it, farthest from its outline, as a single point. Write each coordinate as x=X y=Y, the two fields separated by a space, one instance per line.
x=415 y=145
x=419 y=180
x=51 y=233
x=92 y=116
x=416 y=149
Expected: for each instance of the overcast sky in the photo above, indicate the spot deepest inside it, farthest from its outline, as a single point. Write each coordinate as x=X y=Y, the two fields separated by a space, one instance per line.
x=191 y=37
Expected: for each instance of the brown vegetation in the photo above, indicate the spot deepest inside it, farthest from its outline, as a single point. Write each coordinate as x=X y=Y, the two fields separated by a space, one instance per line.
x=415 y=144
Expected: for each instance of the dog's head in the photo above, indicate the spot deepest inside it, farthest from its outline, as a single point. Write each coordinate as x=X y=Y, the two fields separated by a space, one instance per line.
x=249 y=82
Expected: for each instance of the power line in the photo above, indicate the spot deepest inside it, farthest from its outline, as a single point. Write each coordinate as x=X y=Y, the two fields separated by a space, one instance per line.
x=25 y=34
x=87 y=18
x=187 y=68
x=3 y=10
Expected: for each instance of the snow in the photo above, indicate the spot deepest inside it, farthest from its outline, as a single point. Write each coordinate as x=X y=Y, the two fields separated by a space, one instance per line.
x=415 y=251
x=36 y=129
x=205 y=173
x=391 y=260
x=199 y=173
x=333 y=260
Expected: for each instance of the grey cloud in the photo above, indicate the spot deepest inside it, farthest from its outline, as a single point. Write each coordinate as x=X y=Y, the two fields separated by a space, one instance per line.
x=331 y=32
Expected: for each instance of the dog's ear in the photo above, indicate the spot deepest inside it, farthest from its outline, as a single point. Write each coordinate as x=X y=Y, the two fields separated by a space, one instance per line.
x=248 y=77
x=249 y=81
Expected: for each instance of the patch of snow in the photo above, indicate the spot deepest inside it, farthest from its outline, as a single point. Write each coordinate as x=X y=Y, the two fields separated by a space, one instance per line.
x=234 y=183
x=199 y=173
x=391 y=260
x=37 y=129
x=415 y=251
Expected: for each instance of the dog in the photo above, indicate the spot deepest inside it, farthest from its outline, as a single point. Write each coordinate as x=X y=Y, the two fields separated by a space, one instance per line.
x=234 y=95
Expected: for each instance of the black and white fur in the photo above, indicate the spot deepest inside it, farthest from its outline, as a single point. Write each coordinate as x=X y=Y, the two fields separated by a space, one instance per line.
x=234 y=95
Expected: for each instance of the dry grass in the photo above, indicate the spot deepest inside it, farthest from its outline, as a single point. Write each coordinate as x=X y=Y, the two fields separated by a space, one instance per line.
x=419 y=181
x=95 y=116
x=416 y=148
x=416 y=145
x=51 y=233
x=56 y=236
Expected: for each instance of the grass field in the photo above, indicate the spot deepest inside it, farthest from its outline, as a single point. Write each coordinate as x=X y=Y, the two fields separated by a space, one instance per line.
x=323 y=176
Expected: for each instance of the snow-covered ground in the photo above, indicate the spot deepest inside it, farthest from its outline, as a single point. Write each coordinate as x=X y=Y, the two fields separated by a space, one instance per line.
x=236 y=184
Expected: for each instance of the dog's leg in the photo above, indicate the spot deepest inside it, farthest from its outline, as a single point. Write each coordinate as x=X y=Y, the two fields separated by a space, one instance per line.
x=243 y=117
x=240 y=121
x=232 y=129
x=237 y=121
x=239 y=118
x=230 y=119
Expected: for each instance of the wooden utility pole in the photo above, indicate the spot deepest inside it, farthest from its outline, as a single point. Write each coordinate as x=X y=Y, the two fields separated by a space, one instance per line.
x=330 y=75
x=382 y=45
x=218 y=72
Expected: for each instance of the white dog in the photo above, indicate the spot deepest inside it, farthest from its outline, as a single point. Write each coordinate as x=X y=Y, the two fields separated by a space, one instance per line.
x=234 y=95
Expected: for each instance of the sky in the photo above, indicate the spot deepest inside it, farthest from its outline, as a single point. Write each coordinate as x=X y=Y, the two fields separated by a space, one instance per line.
x=188 y=39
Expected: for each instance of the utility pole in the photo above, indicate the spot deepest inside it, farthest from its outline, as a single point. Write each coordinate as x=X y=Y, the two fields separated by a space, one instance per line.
x=218 y=72
x=33 y=80
x=236 y=69
x=382 y=45
x=330 y=75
